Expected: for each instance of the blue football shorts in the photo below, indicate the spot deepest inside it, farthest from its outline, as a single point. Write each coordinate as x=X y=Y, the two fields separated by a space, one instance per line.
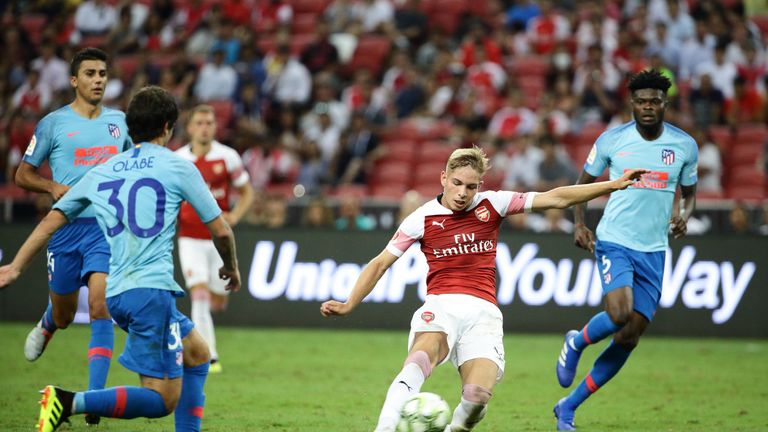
x=155 y=329
x=642 y=271
x=74 y=252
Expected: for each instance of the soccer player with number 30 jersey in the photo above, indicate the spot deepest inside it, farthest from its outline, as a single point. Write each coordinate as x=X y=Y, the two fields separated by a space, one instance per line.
x=631 y=236
x=135 y=197
x=460 y=320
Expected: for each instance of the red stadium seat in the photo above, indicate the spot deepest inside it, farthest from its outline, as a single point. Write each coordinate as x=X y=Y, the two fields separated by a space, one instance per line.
x=447 y=21
x=529 y=65
x=589 y=134
x=435 y=152
x=33 y=26
x=370 y=53
x=744 y=154
x=430 y=189
x=746 y=176
x=428 y=172
x=392 y=172
x=761 y=21
x=745 y=193
x=399 y=150
x=301 y=41
x=304 y=23
x=350 y=190
x=224 y=111
x=388 y=191
x=751 y=134
x=266 y=44
x=128 y=64
x=309 y=6
x=721 y=135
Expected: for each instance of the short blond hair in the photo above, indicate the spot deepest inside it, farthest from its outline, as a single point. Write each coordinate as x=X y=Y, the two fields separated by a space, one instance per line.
x=472 y=157
x=202 y=108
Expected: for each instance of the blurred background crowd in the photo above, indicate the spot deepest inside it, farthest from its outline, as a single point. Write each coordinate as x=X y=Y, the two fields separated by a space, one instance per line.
x=344 y=111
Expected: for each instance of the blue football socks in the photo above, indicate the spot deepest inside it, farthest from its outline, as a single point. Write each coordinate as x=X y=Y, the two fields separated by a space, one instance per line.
x=100 y=352
x=597 y=329
x=189 y=410
x=47 y=321
x=120 y=402
x=606 y=366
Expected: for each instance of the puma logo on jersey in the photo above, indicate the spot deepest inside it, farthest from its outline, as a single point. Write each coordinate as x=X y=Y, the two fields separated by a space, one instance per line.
x=441 y=224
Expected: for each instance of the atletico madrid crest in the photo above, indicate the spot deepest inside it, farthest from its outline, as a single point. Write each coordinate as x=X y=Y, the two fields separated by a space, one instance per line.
x=113 y=130
x=668 y=156
x=482 y=214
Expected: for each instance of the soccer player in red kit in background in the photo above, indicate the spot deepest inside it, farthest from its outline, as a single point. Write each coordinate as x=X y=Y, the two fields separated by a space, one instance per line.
x=460 y=320
x=222 y=170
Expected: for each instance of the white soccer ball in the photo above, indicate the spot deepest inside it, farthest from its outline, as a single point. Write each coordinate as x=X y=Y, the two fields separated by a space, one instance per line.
x=424 y=412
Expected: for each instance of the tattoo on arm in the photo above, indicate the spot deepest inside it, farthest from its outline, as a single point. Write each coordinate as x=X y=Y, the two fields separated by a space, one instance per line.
x=225 y=245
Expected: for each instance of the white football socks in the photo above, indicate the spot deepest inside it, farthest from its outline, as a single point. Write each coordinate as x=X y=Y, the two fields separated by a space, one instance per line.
x=201 y=316
x=407 y=383
x=471 y=409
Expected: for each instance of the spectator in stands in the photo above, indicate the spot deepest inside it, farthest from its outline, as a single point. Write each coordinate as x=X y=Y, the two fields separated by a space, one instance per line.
x=664 y=45
x=552 y=221
x=595 y=84
x=321 y=55
x=325 y=134
x=555 y=169
x=520 y=12
x=696 y=51
x=227 y=41
x=738 y=219
x=710 y=164
x=746 y=105
x=202 y=39
x=317 y=214
x=34 y=96
x=680 y=23
x=753 y=67
x=288 y=81
x=374 y=15
x=216 y=80
x=351 y=217
x=340 y=15
x=93 y=18
x=54 y=72
x=410 y=201
x=513 y=119
x=410 y=24
x=763 y=228
x=521 y=174
x=595 y=28
x=358 y=150
x=412 y=96
x=256 y=160
x=122 y=38
x=546 y=29
x=445 y=101
x=326 y=94
x=275 y=214
x=706 y=104
x=478 y=34
x=721 y=71
x=270 y=14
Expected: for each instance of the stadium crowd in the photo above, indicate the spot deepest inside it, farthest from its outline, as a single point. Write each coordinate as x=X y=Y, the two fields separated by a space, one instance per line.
x=348 y=100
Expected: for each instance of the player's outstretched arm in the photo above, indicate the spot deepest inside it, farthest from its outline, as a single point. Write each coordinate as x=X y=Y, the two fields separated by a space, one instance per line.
x=583 y=237
x=28 y=178
x=34 y=243
x=224 y=240
x=566 y=196
x=368 y=278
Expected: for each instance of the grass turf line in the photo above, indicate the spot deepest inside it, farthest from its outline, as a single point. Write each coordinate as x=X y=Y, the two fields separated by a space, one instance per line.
x=321 y=380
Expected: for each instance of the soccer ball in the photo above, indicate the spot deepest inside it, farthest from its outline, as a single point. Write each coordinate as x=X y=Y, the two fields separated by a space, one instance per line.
x=424 y=412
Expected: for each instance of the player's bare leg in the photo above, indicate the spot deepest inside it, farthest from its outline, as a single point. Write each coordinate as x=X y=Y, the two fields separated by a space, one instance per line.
x=63 y=308
x=427 y=351
x=478 y=376
x=203 y=303
x=102 y=337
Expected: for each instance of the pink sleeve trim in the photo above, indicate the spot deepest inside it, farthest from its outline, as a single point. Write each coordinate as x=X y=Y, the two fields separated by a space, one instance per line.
x=400 y=243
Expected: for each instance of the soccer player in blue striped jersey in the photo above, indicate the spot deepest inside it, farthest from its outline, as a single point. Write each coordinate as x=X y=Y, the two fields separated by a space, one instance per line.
x=74 y=139
x=632 y=235
x=135 y=197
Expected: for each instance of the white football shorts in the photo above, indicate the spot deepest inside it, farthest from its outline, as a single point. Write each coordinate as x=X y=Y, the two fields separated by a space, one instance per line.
x=475 y=327
x=200 y=263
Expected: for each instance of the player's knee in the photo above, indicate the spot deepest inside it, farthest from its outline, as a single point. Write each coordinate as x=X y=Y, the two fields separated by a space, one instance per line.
x=171 y=399
x=97 y=309
x=620 y=314
x=63 y=318
x=197 y=353
x=627 y=340
x=476 y=394
x=421 y=359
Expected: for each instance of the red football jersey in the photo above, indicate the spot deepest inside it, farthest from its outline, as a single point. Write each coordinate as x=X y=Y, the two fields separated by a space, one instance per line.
x=221 y=168
x=460 y=246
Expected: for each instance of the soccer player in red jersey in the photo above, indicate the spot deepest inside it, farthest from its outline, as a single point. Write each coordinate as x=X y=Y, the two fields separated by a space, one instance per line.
x=222 y=170
x=460 y=320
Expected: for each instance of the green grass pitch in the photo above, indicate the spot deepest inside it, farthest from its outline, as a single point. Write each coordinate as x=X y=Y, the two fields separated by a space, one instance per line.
x=335 y=380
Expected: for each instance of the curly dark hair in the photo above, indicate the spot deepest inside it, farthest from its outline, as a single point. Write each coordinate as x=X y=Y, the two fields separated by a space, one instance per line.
x=150 y=109
x=649 y=79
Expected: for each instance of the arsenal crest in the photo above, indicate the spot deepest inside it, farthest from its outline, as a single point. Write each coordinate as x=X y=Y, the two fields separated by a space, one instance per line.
x=428 y=317
x=483 y=214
